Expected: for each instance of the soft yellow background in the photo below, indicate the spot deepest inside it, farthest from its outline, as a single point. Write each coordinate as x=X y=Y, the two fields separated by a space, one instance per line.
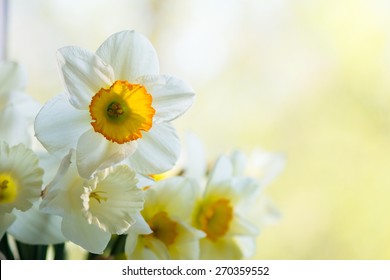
x=309 y=78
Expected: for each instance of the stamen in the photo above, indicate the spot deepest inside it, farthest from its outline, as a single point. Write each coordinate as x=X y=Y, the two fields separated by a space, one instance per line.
x=96 y=195
x=114 y=110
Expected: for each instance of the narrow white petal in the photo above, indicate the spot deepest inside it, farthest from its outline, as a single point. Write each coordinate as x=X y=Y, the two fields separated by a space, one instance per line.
x=35 y=227
x=241 y=226
x=13 y=127
x=238 y=161
x=76 y=229
x=158 y=150
x=222 y=171
x=140 y=226
x=12 y=76
x=84 y=74
x=171 y=96
x=130 y=54
x=94 y=152
x=6 y=220
x=59 y=125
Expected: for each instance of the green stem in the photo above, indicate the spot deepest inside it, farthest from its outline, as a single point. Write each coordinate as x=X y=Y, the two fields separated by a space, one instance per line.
x=59 y=251
x=5 y=249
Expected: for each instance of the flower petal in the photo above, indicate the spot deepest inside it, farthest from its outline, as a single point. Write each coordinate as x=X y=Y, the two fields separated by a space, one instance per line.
x=59 y=125
x=84 y=74
x=76 y=228
x=6 y=219
x=186 y=245
x=12 y=76
x=94 y=152
x=221 y=249
x=36 y=227
x=171 y=96
x=247 y=245
x=158 y=150
x=121 y=199
x=221 y=172
x=130 y=54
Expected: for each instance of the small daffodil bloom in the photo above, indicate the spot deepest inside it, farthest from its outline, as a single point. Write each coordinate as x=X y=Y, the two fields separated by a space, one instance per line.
x=167 y=214
x=20 y=182
x=116 y=107
x=221 y=212
x=93 y=209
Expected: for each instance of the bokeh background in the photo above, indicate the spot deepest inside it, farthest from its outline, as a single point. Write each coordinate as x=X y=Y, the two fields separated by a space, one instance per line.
x=308 y=78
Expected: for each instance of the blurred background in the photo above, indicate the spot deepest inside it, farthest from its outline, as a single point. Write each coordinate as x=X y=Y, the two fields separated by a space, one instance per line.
x=308 y=78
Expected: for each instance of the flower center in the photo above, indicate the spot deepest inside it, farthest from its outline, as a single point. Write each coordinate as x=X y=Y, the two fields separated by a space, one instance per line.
x=163 y=228
x=8 y=189
x=97 y=195
x=122 y=111
x=214 y=218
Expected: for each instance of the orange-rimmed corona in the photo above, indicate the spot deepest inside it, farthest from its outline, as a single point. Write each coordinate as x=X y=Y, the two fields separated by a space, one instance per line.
x=122 y=111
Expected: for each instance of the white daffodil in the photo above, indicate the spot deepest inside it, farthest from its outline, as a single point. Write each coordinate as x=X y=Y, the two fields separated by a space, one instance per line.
x=20 y=182
x=34 y=226
x=116 y=107
x=17 y=109
x=167 y=212
x=93 y=209
x=264 y=167
x=222 y=214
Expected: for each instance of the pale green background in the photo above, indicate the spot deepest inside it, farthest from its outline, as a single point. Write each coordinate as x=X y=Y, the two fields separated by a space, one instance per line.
x=308 y=78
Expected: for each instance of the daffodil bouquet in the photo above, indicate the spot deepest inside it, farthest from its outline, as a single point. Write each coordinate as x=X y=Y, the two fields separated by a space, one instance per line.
x=86 y=167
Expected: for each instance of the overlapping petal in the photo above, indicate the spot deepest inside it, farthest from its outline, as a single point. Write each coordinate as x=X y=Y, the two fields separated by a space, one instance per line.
x=59 y=125
x=171 y=96
x=84 y=74
x=157 y=150
x=130 y=54
x=94 y=152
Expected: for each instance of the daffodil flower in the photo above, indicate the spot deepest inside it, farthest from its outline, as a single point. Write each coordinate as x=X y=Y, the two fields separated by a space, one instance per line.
x=116 y=107
x=17 y=109
x=221 y=212
x=20 y=182
x=93 y=209
x=167 y=214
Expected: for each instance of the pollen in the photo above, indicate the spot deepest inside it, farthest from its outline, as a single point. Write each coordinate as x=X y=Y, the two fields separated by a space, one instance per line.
x=214 y=218
x=97 y=195
x=8 y=189
x=121 y=112
x=163 y=228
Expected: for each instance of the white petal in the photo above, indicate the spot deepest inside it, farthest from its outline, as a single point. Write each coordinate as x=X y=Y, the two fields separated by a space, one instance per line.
x=76 y=228
x=158 y=150
x=58 y=197
x=121 y=199
x=222 y=171
x=221 y=249
x=247 y=245
x=186 y=245
x=12 y=76
x=84 y=74
x=59 y=125
x=239 y=163
x=13 y=127
x=24 y=167
x=36 y=227
x=241 y=226
x=130 y=54
x=94 y=152
x=6 y=219
x=140 y=226
x=171 y=96
x=178 y=189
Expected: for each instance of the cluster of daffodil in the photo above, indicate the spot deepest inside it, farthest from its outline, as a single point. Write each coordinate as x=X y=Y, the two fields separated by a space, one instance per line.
x=89 y=175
